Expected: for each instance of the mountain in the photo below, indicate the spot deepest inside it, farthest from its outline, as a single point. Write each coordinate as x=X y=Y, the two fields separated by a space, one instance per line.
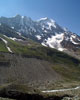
x=44 y=31
x=26 y=66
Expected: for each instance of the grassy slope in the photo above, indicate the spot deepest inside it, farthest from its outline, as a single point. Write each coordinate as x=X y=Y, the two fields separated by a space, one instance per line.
x=3 y=46
x=64 y=64
x=67 y=66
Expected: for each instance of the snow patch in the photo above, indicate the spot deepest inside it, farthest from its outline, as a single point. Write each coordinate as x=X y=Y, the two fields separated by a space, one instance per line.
x=12 y=27
x=52 y=23
x=4 y=41
x=78 y=39
x=47 y=23
x=45 y=31
x=9 y=49
x=61 y=49
x=61 y=90
x=38 y=37
x=12 y=38
x=71 y=39
x=73 y=36
x=5 y=36
x=6 y=45
x=44 y=44
x=19 y=33
x=55 y=42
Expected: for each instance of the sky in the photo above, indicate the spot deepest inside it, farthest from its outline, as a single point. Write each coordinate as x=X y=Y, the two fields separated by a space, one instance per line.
x=65 y=12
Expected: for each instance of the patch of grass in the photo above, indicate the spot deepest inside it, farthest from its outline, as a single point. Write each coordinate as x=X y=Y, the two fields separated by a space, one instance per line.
x=70 y=72
x=3 y=46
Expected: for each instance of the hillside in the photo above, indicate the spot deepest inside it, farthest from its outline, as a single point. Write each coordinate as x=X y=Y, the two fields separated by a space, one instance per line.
x=28 y=66
x=35 y=64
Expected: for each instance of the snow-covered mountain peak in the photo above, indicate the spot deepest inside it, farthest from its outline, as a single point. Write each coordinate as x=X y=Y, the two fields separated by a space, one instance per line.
x=45 y=31
x=46 y=19
x=47 y=23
